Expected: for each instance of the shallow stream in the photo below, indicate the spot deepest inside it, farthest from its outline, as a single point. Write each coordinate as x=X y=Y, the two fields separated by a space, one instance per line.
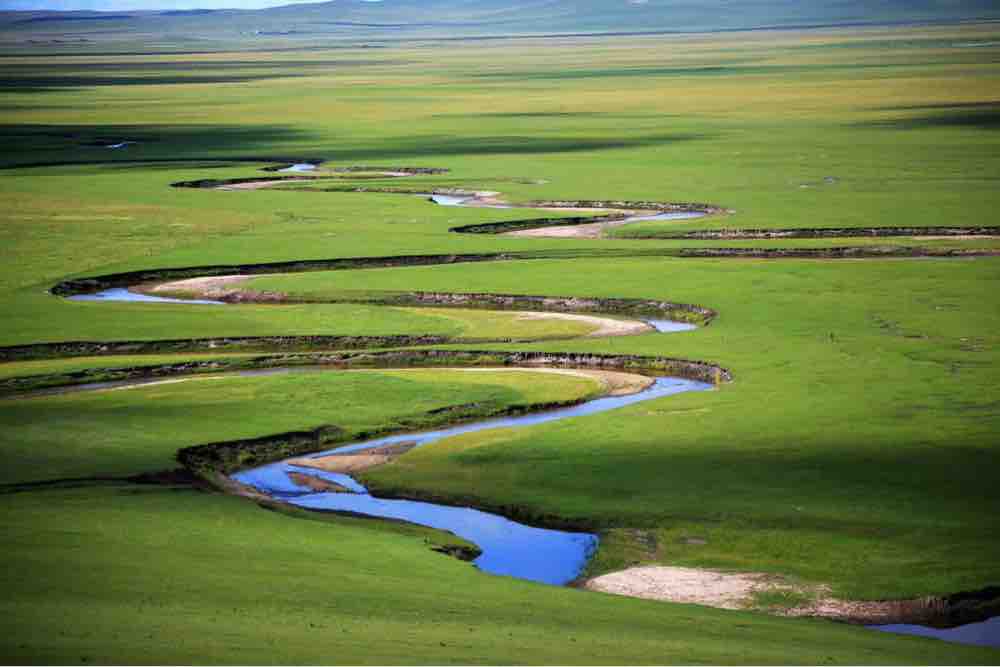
x=986 y=633
x=508 y=548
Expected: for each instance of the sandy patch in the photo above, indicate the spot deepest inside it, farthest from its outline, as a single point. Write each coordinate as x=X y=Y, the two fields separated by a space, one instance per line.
x=590 y=230
x=316 y=484
x=736 y=590
x=154 y=383
x=353 y=462
x=613 y=383
x=250 y=185
x=228 y=288
x=682 y=584
x=218 y=288
x=603 y=326
x=616 y=383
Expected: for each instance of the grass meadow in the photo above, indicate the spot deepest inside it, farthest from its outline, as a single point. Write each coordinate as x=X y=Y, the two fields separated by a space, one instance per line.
x=856 y=447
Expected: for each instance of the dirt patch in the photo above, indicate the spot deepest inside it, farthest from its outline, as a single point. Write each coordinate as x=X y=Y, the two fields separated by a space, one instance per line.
x=249 y=185
x=620 y=384
x=752 y=590
x=217 y=288
x=586 y=231
x=316 y=484
x=682 y=584
x=613 y=383
x=348 y=463
x=604 y=326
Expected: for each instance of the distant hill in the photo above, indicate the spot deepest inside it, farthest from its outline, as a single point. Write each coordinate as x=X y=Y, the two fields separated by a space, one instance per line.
x=409 y=19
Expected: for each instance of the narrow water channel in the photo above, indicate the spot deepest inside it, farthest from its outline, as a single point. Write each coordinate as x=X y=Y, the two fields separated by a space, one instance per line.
x=986 y=633
x=461 y=200
x=125 y=294
x=508 y=548
x=298 y=167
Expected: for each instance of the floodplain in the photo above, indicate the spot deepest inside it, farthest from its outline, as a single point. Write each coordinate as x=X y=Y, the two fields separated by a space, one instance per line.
x=846 y=454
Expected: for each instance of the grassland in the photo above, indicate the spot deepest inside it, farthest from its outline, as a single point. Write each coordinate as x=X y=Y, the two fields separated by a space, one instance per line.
x=856 y=447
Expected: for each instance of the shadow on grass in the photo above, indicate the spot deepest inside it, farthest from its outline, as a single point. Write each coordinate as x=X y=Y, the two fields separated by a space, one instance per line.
x=40 y=83
x=445 y=145
x=81 y=68
x=899 y=488
x=978 y=115
x=32 y=78
x=53 y=145
x=737 y=68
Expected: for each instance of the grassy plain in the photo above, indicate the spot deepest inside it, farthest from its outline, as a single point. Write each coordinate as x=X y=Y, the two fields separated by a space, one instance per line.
x=125 y=432
x=856 y=447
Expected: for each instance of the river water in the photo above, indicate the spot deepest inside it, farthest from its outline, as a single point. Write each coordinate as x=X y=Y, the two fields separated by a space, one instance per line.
x=508 y=547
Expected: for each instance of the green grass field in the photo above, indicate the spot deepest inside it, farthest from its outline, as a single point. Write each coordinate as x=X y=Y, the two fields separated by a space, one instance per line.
x=856 y=447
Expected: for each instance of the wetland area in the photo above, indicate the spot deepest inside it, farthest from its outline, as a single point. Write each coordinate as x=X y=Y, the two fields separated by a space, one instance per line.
x=678 y=349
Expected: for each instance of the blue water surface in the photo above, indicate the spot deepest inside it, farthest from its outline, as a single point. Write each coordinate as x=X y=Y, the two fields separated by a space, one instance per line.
x=986 y=633
x=508 y=548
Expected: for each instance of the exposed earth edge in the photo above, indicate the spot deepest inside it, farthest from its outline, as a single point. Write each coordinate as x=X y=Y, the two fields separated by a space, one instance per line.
x=736 y=590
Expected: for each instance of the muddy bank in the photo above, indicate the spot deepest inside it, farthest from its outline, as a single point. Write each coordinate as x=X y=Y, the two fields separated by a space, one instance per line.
x=935 y=611
x=419 y=358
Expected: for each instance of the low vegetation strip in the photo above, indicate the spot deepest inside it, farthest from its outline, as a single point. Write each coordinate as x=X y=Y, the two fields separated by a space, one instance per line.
x=842 y=252
x=824 y=233
x=95 y=284
x=227 y=289
x=222 y=344
x=694 y=370
x=618 y=210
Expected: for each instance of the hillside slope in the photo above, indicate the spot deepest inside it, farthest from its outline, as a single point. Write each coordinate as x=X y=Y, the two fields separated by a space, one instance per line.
x=401 y=19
